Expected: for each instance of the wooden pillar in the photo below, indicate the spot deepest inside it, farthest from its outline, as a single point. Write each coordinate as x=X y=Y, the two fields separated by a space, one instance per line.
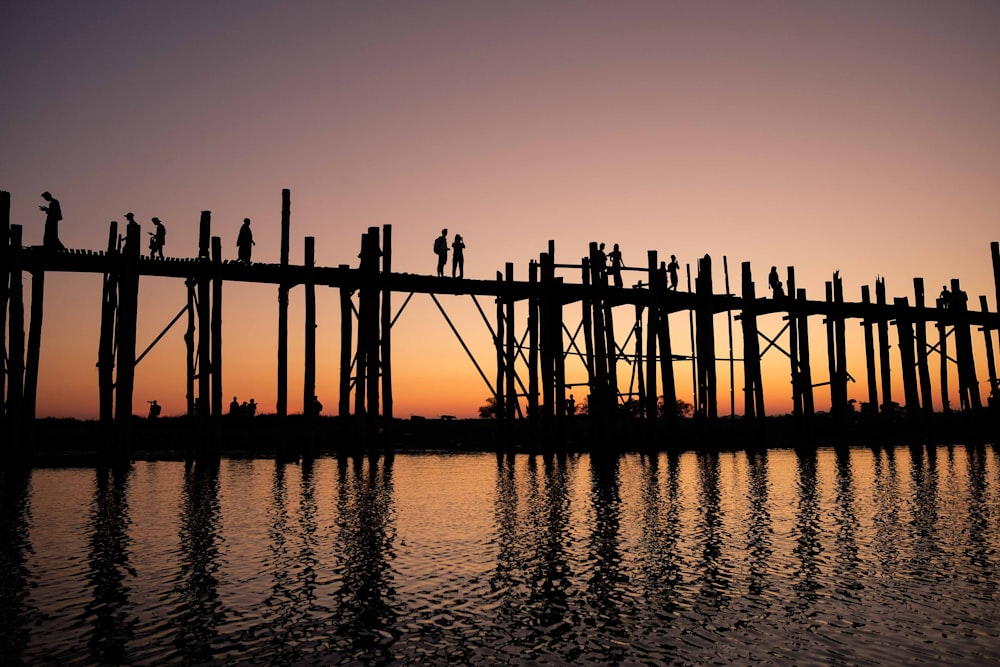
x=346 y=343
x=510 y=351
x=34 y=352
x=189 y=335
x=968 y=385
x=283 y=288
x=106 y=345
x=309 y=352
x=216 y=365
x=666 y=363
x=991 y=364
x=904 y=331
x=831 y=353
x=866 y=298
x=15 y=339
x=587 y=304
x=995 y=252
x=640 y=364
x=920 y=340
x=385 y=353
x=793 y=346
x=942 y=328
x=883 y=346
x=533 y=344
x=805 y=365
x=4 y=288
x=559 y=356
x=705 y=353
x=501 y=387
x=203 y=403
x=599 y=393
x=371 y=313
x=656 y=289
x=753 y=396
x=361 y=355
x=546 y=352
x=128 y=308
x=840 y=338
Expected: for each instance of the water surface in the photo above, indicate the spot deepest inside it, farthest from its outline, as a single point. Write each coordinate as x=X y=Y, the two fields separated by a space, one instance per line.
x=853 y=556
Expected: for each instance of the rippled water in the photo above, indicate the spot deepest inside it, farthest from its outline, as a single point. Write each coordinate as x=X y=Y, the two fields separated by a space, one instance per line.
x=860 y=556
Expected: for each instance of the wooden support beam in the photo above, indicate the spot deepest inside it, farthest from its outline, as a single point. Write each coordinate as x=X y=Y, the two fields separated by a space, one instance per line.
x=657 y=286
x=943 y=353
x=309 y=351
x=125 y=332
x=995 y=253
x=501 y=387
x=34 y=354
x=533 y=346
x=559 y=357
x=283 y=288
x=904 y=332
x=705 y=354
x=840 y=338
x=203 y=405
x=968 y=385
x=192 y=357
x=885 y=368
x=753 y=397
x=869 y=354
x=385 y=351
x=15 y=341
x=346 y=345
x=793 y=348
x=372 y=292
x=217 y=402
x=991 y=364
x=510 y=350
x=599 y=400
x=805 y=367
x=106 y=344
x=920 y=337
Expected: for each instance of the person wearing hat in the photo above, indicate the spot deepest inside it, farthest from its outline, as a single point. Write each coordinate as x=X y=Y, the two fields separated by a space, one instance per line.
x=158 y=239
x=53 y=214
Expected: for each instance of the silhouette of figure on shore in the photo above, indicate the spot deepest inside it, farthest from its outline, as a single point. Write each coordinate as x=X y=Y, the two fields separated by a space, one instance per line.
x=244 y=242
x=234 y=408
x=53 y=214
x=441 y=249
x=615 y=257
x=157 y=239
x=317 y=407
x=945 y=297
x=458 y=257
x=672 y=269
x=154 y=409
x=251 y=408
x=777 y=290
x=570 y=406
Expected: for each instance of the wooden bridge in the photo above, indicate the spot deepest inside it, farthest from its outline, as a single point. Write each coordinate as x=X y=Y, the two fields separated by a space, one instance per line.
x=366 y=297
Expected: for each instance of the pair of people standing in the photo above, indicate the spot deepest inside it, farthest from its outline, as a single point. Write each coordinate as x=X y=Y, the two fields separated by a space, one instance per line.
x=457 y=255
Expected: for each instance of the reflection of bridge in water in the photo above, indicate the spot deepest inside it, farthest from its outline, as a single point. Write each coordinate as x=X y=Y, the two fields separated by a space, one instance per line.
x=530 y=366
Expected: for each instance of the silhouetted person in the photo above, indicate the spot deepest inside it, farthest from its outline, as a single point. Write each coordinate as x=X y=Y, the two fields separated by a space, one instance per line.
x=945 y=296
x=317 y=407
x=441 y=249
x=602 y=261
x=130 y=218
x=775 y=283
x=615 y=257
x=53 y=214
x=672 y=269
x=244 y=242
x=251 y=409
x=570 y=406
x=157 y=239
x=458 y=257
x=234 y=408
x=154 y=409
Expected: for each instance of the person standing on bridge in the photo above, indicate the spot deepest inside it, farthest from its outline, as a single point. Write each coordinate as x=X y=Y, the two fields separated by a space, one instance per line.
x=615 y=257
x=244 y=242
x=53 y=214
x=441 y=250
x=158 y=239
x=458 y=257
x=672 y=269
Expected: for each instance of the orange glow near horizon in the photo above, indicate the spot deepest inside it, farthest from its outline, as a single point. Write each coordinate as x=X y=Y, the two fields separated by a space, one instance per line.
x=829 y=138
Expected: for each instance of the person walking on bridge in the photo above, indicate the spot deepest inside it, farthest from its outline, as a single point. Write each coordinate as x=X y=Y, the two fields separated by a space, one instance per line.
x=441 y=250
x=244 y=242
x=53 y=214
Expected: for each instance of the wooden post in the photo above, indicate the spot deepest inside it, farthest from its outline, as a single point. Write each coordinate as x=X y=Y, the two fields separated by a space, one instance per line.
x=904 y=330
x=346 y=335
x=753 y=396
x=968 y=385
x=500 y=403
x=546 y=353
x=805 y=366
x=599 y=394
x=793 y=346
x=309 y=353
x=559 y=357
x=942 y=328
x=283 y=288
x=666 y=363
x=386 y=348
x=189 y=344
x=217 y=403
x=510 y=345
x=533 y=345
x=34 y=353
x=203 y=403
x=15 y=339
x=587 y=304
x=706 y=339
x=4 y=288
x=995 y=252
x=371 y=313
x=361 y=356
x=128 y=308
x=866 y=298
x=656 y=289
x=840 y=338
x=991 y=364
x=920 y=337
x=883 y=346
x=106 y=345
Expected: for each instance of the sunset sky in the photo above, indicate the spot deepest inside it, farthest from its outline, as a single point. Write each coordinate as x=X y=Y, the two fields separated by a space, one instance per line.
x=862 y=137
